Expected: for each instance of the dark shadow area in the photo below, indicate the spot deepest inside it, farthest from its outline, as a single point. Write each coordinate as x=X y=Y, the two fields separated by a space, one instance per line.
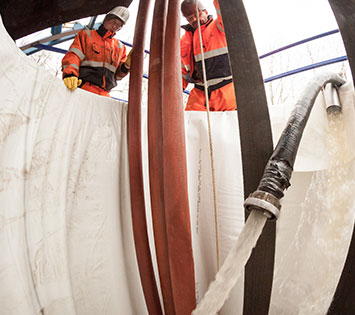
x=23 y=17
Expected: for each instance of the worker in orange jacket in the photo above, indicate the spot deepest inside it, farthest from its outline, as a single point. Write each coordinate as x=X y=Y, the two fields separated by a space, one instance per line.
x=95 y=60
x=219 y=77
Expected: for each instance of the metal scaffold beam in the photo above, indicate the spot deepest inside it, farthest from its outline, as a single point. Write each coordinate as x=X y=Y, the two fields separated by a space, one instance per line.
x=256 y=146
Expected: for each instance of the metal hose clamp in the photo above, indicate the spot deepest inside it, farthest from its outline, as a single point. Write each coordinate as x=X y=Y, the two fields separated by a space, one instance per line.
x=265 y=202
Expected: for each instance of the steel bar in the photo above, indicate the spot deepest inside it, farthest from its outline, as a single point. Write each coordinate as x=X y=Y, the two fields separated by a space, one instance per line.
x=256 y=145
x=344 y=297
x=23 y=17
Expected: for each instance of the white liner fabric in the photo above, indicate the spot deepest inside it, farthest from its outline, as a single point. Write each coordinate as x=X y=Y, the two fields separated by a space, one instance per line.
x=229 y=196
x=66 y=238
x=317 y=217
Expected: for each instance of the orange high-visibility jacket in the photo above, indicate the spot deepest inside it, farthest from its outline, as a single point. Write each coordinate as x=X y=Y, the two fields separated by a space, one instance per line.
x=96 y=57
x=219 y=76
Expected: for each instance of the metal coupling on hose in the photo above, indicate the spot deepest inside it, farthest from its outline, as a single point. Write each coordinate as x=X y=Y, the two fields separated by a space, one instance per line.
x=265 y=202
x=331 y=98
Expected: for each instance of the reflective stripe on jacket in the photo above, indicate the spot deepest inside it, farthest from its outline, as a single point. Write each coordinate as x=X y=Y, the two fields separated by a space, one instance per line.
x=94 y=57
x=216 y=58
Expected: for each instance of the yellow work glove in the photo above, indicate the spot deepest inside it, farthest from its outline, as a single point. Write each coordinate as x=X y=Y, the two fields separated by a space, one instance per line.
x=72 y=82
x=128 y=60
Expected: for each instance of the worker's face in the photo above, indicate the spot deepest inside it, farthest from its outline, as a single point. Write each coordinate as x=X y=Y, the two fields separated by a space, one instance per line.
x=113 y=25
x=189 y=13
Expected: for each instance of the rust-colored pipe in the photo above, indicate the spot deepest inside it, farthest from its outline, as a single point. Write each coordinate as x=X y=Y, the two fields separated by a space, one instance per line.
x=177 y=212
x=167 y=163
x=155 y=151
x=141 y=240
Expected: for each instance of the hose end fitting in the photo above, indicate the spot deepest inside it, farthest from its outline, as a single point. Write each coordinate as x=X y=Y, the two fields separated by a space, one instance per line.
x=265 y=202
x=332 y=101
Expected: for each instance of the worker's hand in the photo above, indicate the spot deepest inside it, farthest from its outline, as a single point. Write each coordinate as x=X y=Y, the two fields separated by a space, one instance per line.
x=128 y=60
x=72 y=82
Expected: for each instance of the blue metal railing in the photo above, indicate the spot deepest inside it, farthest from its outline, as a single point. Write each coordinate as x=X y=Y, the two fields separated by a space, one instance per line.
x=309 y=39
x=51 y=48
x=306 y=68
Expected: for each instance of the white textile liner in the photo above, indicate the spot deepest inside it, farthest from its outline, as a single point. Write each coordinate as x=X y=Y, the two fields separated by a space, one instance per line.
x=66 y=238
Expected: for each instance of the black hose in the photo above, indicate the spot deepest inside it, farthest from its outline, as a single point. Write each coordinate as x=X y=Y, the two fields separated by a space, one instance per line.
x=279 y=168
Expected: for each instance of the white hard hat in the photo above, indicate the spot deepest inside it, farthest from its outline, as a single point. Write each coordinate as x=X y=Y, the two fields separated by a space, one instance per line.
x=121 y=12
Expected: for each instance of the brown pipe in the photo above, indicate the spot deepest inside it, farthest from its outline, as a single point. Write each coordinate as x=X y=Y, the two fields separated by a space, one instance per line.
x=141 y=240
x=155 y=151
x=167 y=163
x=177 y=211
